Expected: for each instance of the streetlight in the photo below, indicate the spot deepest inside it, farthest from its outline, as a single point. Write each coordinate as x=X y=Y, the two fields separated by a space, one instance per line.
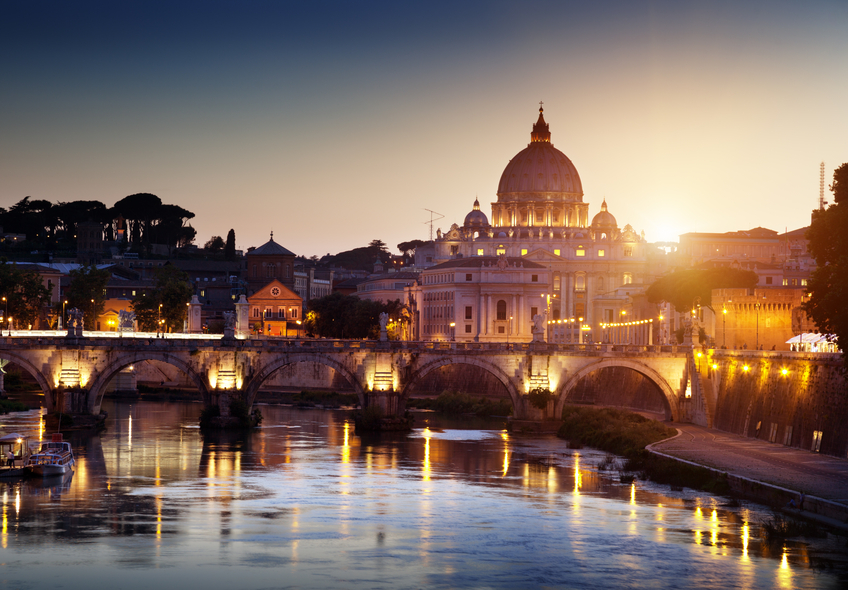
x=10 y=327
x=723 y=326
x=159 y=321
x=453 y=331
x=508 y=330
x=93 y=316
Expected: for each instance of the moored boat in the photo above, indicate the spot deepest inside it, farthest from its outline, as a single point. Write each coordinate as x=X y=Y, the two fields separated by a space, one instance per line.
x=16 y=447
x=54 y=458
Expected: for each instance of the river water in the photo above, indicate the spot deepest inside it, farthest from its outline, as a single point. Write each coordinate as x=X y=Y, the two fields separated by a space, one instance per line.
x=304 y=502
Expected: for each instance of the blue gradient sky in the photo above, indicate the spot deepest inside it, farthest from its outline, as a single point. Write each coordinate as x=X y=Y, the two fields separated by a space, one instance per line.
x=335 y=123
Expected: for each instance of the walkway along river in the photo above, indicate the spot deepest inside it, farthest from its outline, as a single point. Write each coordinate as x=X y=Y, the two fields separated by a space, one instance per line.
x=304 y=502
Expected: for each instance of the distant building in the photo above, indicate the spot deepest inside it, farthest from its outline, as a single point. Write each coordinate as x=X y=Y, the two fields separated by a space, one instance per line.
x=89 y=243
x=540 y=216
x=275 y=310
x=386 y=286
x=758 y=244
x=268 y=262
x=486 y=298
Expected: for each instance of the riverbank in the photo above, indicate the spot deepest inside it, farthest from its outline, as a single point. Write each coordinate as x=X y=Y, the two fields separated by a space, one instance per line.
x=628 y=434
x=766 y=472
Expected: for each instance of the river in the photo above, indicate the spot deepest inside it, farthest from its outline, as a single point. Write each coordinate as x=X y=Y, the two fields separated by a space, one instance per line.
x=304 y=502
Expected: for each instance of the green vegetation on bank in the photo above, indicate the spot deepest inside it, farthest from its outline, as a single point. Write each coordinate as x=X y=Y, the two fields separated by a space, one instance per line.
x=627 y=434
x=7 y=405
x=456 y=404
x=331 y=399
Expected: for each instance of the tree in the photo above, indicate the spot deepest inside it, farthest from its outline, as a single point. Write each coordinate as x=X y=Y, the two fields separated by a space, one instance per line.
x=25 y=294
x=828 y=243
x=347 y=316
x=681 y=288
x=408 y=248
x=138 y=210
x=173 y=292
x=215 y=244
x=230 y=246
x=88 y=283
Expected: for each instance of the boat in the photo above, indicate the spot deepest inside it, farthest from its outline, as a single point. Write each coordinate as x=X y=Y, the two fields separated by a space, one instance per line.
x=18 y=445
x=54 y=458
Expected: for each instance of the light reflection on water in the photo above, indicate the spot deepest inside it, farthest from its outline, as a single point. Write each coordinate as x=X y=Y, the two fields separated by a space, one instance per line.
x=306 y=502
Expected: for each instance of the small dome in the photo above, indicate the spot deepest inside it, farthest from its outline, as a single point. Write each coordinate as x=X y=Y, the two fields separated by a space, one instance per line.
x=604 y=218
x=476 y=218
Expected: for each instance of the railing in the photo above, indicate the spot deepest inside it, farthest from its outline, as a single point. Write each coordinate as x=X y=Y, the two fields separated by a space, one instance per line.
x=28 y=338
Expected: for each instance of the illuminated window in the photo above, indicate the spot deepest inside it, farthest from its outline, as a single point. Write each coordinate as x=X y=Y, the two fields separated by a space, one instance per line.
x=785 y=282
x=628 y=278
x=803 y=282
x=524 y=251
x=480 y=252
x=581 y=251
x=601 y=253
x=556 y=252
x=501 y=250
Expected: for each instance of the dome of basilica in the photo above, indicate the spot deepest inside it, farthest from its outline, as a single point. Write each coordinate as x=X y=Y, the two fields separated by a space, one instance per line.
x=540 y=170
x=476 y=218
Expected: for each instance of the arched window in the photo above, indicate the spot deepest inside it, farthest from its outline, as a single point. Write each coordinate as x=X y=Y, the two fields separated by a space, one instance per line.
x=628 y=278
x=501 y=309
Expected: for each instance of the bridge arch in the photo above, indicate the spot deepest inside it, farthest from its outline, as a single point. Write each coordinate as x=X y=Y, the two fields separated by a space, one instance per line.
x=284 y=360
x=42 y=381
x=669 y=395
x=496 y=371
x=98 y=386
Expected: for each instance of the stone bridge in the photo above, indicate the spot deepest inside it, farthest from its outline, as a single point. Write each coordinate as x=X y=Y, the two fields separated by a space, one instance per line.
x=74 y=373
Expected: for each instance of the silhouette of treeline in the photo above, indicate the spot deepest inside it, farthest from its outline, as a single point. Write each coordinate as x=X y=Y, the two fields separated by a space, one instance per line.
x=143 y=218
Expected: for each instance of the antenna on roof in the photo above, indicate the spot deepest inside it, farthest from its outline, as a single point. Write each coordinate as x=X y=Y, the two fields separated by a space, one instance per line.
x=822 y=202
x=432 y=219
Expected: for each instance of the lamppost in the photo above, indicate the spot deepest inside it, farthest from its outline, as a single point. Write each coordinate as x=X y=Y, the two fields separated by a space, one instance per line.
x=93 y=316
x=660 y=327
x=757 y=307
x=6 y=313
x=10 y=327
x=159 y=321
x=508 y=330
x=453 y=331
x=723 y=326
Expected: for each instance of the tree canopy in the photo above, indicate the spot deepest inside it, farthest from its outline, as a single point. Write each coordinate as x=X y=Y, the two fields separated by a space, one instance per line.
x=88 y=283
x=347 y=316
x=25 y=294
x=360 y=258
x=230 y=246
x=173 y=291
x=828 y=243
x=681 y=288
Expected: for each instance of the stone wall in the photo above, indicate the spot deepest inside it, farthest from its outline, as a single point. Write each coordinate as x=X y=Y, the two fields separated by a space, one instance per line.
x=782 y=398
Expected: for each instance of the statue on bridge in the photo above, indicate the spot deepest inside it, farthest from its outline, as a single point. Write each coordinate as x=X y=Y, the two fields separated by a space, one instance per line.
x=126 y=321
x=384 y=320
x=75 y=323
x=538 y=328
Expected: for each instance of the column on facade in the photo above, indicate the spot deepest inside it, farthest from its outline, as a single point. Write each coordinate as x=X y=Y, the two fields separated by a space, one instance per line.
x=588 y=314
x=479 y=315
x=512 y=310
x=490 y=305
x=519 y=317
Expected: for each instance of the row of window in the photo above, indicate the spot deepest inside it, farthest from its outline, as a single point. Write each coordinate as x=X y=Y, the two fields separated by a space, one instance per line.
x=270 y=270
x=268 y=314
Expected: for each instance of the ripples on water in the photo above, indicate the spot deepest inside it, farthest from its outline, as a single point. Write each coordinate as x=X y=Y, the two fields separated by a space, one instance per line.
x=306 y=503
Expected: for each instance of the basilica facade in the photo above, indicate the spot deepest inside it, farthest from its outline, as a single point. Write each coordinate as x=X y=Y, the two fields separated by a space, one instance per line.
x=595 y=268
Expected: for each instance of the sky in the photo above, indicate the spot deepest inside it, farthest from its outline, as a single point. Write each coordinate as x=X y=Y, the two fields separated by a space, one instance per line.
x=334 y=123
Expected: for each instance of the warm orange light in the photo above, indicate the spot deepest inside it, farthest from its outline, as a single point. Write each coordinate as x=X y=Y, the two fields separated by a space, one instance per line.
x=784 y=371
x=746 y=368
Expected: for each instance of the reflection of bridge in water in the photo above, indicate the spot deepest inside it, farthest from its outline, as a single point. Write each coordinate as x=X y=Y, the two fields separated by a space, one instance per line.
x=74 y=374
